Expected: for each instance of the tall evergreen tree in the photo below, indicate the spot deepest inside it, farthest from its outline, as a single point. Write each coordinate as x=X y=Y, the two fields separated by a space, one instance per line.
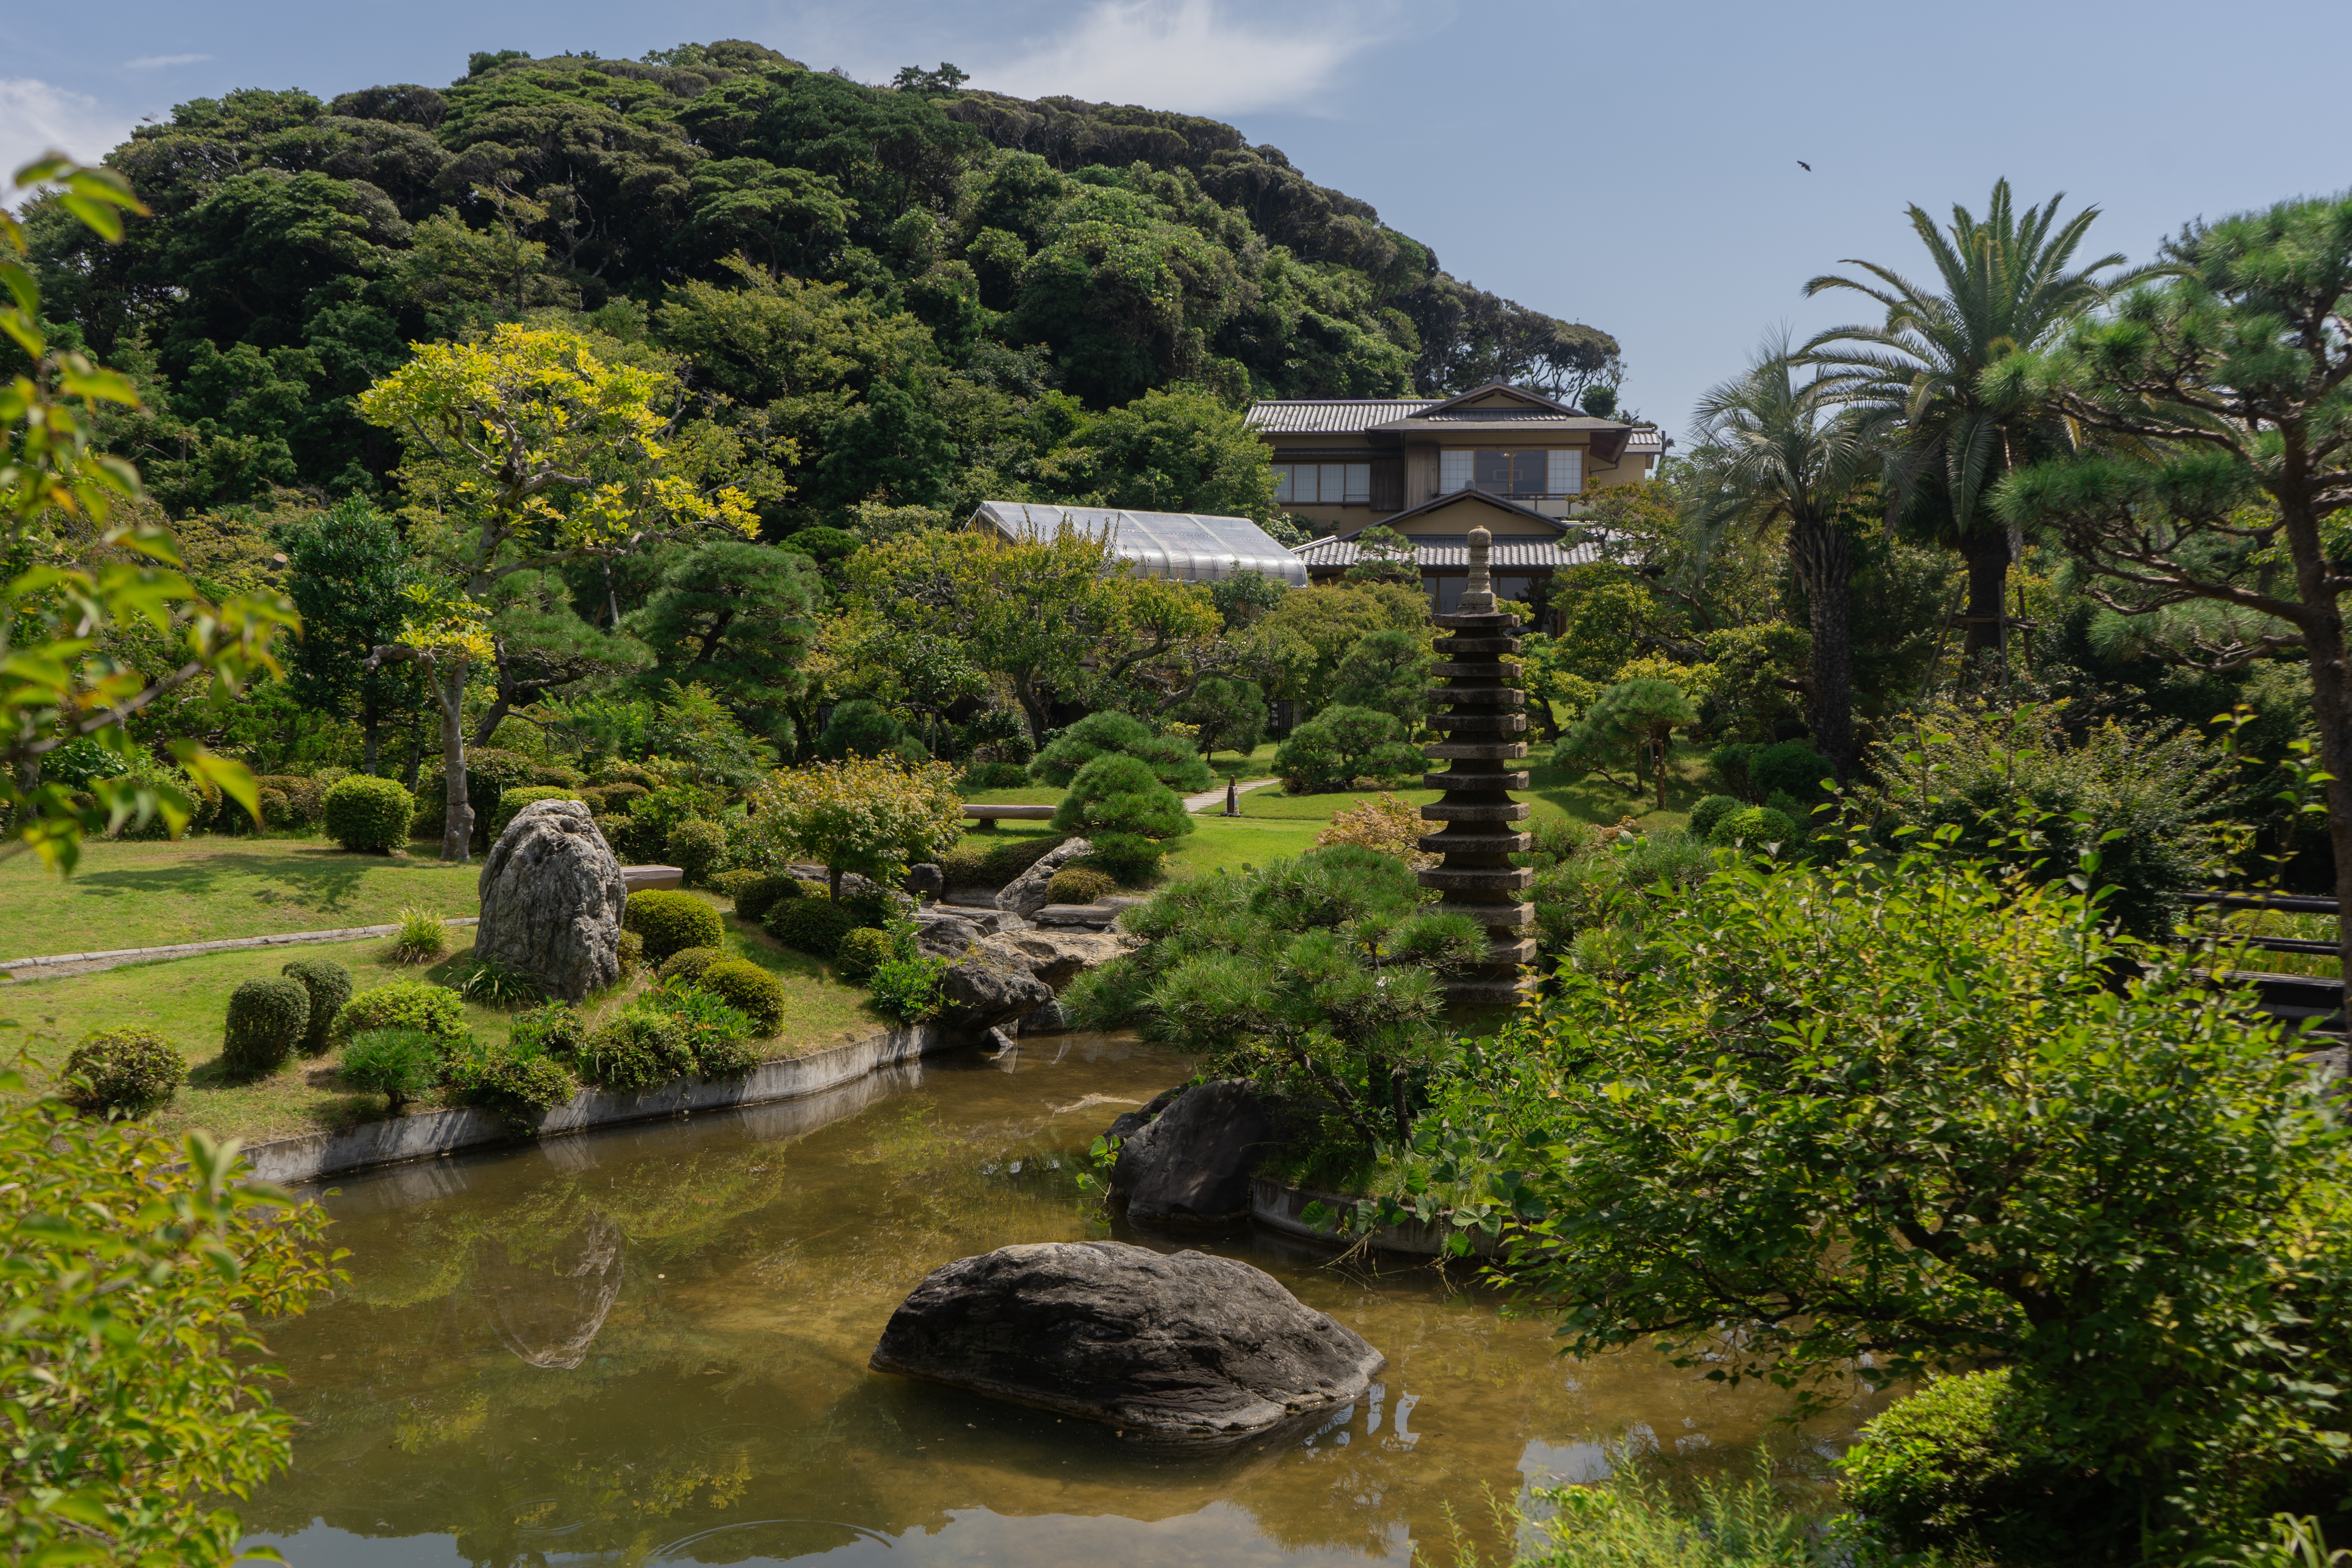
x=347 y=570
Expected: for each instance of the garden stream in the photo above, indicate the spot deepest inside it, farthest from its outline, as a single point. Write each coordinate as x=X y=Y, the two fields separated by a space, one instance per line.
x=649 y=1346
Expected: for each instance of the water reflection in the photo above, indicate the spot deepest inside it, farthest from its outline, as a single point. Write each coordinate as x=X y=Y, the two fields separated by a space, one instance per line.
x=650 y=1346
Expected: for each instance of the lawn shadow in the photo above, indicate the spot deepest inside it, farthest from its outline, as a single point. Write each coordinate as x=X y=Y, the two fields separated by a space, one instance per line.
x=317 y=877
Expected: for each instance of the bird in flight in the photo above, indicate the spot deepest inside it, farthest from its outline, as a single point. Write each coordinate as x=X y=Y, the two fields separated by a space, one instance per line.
x=1805 y=166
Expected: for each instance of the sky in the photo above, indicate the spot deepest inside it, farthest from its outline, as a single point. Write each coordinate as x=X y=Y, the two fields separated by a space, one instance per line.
x=1637 y=168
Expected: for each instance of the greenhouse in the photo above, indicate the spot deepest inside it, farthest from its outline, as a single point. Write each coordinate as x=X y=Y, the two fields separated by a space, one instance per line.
x=1192 y=547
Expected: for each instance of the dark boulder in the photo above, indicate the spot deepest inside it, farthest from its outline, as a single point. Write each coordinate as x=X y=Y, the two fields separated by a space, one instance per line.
x=1180 y=1350
x=991 y=985
x=552 y=900
x=1190 y=1163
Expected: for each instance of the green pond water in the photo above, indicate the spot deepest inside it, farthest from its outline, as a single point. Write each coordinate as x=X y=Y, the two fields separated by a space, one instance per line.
x=649 y=1346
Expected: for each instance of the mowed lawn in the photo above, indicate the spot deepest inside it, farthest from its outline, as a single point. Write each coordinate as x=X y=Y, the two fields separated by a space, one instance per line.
x=1571 y=793
x=186 y=1000
x=204 y=889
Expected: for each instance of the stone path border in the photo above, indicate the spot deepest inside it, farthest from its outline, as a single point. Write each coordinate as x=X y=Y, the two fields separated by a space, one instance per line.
x=91 y=962
x=428 y=1135
x=1207 y=798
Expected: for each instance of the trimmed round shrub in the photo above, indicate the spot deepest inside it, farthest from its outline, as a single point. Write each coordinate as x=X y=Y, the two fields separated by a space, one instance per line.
x=516 y=1079
x=401 y=1065
x=1130 y=859
x=512 y=801
x=369 y=815
x=696 y=847
x=813 y=925
x=1727 y=769
x=277 y=811
x=330 y=985
x=687 y=962
x=266 y=1020
x=1711 y=810
x=757 y=901
x=123 y=1069
x=556 y=1029
x=636 y=1050
x=1755 y=826
x=1793 y=767
x=1080 y=885
x=1972 y=1462
x=404 y=1004
x=750 y=990
x=862 y=951
x=671 y=921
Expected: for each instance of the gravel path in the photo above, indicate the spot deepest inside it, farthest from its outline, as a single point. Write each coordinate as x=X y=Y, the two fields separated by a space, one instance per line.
x=1208 y=798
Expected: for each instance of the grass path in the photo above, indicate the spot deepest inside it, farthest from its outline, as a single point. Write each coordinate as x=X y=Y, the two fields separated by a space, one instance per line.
x=205 y=888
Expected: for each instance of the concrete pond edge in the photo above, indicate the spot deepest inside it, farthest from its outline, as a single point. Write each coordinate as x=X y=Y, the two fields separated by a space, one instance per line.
x=432 y=1134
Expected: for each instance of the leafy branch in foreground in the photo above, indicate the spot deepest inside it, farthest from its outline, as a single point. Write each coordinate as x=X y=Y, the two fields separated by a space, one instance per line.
x=74 y=577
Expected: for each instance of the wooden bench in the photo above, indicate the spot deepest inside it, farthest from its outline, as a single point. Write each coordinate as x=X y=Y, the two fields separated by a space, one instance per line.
x=988 y=816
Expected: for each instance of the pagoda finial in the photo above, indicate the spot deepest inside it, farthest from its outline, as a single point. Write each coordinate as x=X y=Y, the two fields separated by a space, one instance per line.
x=1478 y=594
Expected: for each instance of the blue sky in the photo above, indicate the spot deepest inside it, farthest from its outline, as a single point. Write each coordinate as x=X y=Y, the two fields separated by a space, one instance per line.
x=1635 y=167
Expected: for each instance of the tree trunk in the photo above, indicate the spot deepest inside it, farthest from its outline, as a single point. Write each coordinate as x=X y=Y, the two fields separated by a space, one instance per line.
x=415 y=753
x=458 y=811
x=371 y=733
x=1984 y=650
x=1034 y=708
x=833 y=882
x=1823 y=559
x=2331 y=700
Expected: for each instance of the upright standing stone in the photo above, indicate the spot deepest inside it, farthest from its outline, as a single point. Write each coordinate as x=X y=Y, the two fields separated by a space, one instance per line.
x=552 y=900
x=1475 y=876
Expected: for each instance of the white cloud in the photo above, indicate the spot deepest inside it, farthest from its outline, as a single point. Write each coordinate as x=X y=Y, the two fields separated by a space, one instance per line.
x=36 y=117
x=1196 y=56
x=155 y=62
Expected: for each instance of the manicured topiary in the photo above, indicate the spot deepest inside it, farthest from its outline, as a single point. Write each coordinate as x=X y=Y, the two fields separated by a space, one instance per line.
x=1755 y=826
x=277 y=811
x=811 y=925
x=863 y=951
x=671 y=921
x=1791 y=766
x=636 y=1050
x=1711 y=810
x=369 y=815
x=750 y=990
x=696 y=847
x=512 y=801
x=688 y=963
x=330 y=985
x=267 y=1019
x=1078 y=885
x=123 y=1069
x=404 y=1004
x=556 y=1028
x=401 y=1065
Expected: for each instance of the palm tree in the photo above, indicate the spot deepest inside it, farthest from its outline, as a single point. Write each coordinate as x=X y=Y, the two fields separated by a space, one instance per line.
x=2009 y=288
x=1773 y=450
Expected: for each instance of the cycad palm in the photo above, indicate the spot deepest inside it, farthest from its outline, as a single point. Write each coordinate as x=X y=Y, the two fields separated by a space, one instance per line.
x=2008 y=287
x=1772 y=449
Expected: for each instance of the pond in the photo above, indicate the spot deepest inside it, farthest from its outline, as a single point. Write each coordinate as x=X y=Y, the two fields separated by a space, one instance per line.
x=649 y=1346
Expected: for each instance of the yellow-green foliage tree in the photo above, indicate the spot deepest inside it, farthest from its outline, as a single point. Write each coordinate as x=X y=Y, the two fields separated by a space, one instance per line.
x=530 y=450
x=874 y=815
x=79 y=578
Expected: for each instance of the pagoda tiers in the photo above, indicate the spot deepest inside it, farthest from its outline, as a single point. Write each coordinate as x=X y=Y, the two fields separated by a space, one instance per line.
x=1478 y=832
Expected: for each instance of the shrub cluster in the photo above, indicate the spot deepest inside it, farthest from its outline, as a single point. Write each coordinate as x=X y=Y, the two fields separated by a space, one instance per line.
x=863 y=951
x=1342 y=744
x=995 y=775
x=123 y=1069
x=1080 y=885
x=512 y=801
x=266 y=1020
x=366 y=815
x=329 y=987
x=979 y=863
x=1754 y=827
x=401 y=1065
x=908 y=989
x=671 y=921
x=813 y=925
x=516 y=1079
x=404 y=1004
x=714 y=1033
x=1170 y=759
x=759 y=893
x=637 y=1049
x=698 y=846
x=687 y=963
x=750 y=990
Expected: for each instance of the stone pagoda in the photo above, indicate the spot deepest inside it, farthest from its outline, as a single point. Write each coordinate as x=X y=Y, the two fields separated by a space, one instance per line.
x=1482 y=742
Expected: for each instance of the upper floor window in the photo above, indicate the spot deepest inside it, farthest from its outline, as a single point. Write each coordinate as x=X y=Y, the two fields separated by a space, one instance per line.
x=1323 y=484
x=1541 y=471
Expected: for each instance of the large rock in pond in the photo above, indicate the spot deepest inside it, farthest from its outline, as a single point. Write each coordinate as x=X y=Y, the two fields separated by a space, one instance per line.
x=989 y=986
x=1190 y=1160
x=1026 y=894
x=552 y=900
x=1182 y=1348
x=1059 y=957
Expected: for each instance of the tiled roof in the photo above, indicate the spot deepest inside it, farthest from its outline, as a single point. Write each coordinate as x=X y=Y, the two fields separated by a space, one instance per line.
x=1333 y=417
x=1190 y=547
x=1646 y=439
x=1504 y=555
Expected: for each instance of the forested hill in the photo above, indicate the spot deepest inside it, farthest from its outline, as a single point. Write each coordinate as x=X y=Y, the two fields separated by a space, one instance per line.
x=922 y=288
